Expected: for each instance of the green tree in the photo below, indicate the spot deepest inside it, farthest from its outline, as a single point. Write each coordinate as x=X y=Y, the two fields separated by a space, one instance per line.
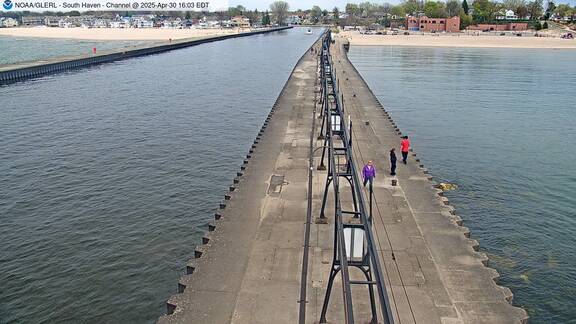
x=266 y=19
x=336 y=13
x=411 y=7
x=233 y=11
x=563 y=10
x=550 y=7
x=434 y=9
x=316 y=13
x=537 y=26
x=280 y=11
x=465 y=19
x=465 y=7
x=485 y=10
x=545 y=25
x=398 y=11
x=453 y=8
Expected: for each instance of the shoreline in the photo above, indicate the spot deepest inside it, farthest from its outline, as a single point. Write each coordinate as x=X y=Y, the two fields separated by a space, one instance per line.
x=459 y=41
x=116 y=34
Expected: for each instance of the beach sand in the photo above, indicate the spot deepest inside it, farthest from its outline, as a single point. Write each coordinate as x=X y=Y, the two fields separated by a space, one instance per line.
x=458 y=40
x=153 y=34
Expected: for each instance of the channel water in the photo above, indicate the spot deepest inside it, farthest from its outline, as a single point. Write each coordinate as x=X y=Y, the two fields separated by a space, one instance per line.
x=110 y=174
x=500 y=124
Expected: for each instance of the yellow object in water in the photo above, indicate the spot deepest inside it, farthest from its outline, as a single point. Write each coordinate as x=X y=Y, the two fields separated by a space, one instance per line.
x=525 y=277
x=446 y=186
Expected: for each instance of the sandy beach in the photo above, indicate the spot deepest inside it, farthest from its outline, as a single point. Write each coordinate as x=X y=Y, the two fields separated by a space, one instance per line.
x=458 y=40
x=153 y=34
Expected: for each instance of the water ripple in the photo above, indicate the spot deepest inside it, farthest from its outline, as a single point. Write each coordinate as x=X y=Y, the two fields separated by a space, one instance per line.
x=108 y=175
x=501 y=124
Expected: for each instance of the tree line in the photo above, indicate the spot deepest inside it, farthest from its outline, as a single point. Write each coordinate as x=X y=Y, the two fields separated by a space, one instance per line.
x=479 y=11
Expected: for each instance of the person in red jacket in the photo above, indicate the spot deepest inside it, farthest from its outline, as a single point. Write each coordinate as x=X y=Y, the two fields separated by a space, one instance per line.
x=405 y=148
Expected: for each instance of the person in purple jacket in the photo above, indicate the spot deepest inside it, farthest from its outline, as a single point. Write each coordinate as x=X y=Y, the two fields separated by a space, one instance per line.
x=369 y=173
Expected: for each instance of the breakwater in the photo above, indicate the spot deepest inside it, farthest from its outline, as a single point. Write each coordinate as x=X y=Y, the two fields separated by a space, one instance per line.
x=21 y=71
x=249 y=267
x=450 y=273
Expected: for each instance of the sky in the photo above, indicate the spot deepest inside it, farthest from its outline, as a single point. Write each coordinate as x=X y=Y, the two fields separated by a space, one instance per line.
x=297 y=4
x=324 y=4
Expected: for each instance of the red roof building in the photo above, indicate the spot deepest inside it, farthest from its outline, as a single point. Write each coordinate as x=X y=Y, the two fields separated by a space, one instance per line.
x=429 y=25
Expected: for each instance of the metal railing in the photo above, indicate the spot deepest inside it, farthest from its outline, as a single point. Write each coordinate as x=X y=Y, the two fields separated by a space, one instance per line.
x=354 y=246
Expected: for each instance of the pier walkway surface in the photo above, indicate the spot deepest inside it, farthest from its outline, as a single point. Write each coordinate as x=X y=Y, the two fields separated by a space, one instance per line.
x=249 y=269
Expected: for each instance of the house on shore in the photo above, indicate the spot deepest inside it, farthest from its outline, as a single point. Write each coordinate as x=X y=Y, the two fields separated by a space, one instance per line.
x=507 y=15
x=433 y=25
x=240 y=21
x=8 y=22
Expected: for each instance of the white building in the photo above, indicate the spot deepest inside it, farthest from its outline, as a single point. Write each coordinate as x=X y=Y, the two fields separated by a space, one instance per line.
x=65 y=23
x=294 y=20
x=120 y=23
x=507 y=15
x=52 y=21
x=8 y=22
x=101 y=23
x=172 y=23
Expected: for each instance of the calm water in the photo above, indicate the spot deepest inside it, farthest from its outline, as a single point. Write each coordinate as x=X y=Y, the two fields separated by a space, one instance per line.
x=109 y=175
x=500 y=123
x=19 y=49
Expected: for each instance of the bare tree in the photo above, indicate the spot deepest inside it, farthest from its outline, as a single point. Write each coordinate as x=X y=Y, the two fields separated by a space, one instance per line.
x=280 y=11
x=514 y=4
x=386 y=7
x=535 y=9
x=452 y=8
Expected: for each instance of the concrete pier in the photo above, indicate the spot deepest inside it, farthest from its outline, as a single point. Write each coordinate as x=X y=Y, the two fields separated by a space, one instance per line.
x=249 y=267
x=10 y=73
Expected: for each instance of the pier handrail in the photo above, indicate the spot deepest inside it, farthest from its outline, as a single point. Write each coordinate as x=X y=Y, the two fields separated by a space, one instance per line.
x=372 y=265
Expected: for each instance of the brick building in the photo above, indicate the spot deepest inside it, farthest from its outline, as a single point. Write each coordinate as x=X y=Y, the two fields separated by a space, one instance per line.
x=428 y=25
x=513 y=26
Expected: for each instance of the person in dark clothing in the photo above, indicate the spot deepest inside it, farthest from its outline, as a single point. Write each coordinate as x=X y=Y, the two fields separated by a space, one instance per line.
x=392 y=162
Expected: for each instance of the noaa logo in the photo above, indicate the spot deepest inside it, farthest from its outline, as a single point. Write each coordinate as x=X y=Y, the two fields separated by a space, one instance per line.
x=7 y=4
